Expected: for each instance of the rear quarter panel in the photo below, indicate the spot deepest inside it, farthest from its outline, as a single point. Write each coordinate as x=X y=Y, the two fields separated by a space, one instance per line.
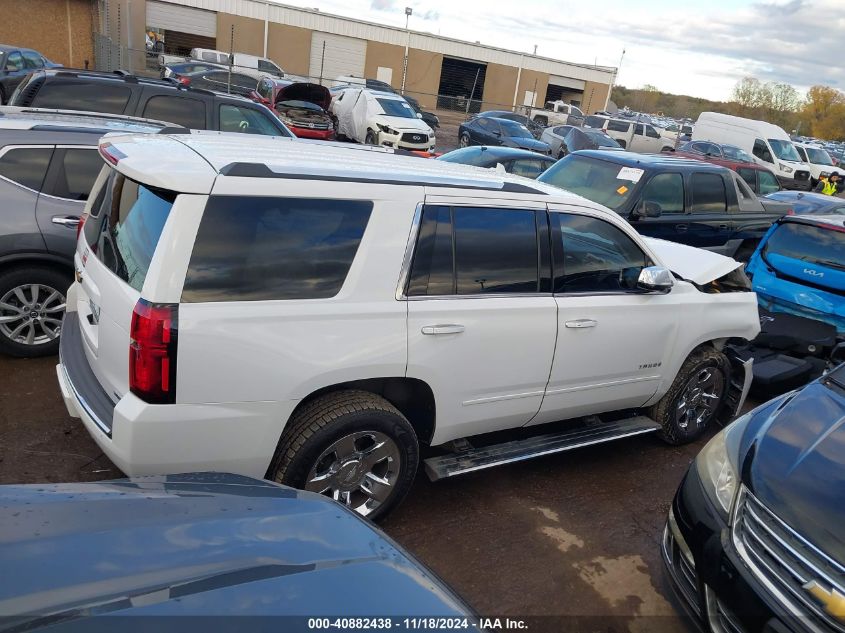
x=285 y=350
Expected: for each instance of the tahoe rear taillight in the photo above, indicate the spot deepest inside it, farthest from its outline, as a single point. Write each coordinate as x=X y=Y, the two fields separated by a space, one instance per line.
x=152 y=352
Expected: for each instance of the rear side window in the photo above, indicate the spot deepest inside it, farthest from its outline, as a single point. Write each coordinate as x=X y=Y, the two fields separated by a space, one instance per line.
x=26 y=166
x=487 y=251
x=262 y=249
x=95 y=96
x=708 y=194
x=748 y=175
x=33 y=60
x=131 y=220
x=76 y=173
x=618 y=126
x=179 y=110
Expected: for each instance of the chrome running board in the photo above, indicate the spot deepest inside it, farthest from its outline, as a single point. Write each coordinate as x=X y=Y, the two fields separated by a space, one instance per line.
x=473 y=459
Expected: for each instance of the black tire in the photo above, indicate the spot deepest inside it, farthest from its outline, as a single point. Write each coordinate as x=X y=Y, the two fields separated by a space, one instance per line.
x=673 y=429
x=326 y=420
x=17 y=277
x=370 y=139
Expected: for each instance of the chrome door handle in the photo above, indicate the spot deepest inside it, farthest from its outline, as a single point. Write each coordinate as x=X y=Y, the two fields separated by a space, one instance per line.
x=443 y=329
x=581 y=323
x=680 y=228
x=66 y=220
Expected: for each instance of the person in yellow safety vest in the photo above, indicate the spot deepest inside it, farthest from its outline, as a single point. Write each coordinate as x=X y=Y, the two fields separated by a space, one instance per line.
x=829 y=187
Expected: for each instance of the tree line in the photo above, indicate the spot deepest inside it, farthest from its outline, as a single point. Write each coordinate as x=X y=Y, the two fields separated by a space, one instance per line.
x=819 y=113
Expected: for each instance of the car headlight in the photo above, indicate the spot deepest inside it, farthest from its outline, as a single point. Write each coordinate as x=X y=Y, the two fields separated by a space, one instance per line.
x=387 y=129
x=717 y=465
x=785 y=168
x=824 y=174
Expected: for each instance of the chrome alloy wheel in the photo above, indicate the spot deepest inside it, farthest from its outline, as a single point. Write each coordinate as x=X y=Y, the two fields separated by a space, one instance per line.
x=32 y=314
x=700 y=397
x=358 y=470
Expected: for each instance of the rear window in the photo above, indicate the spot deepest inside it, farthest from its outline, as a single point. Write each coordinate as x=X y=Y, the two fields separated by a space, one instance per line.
x=95 y=96
x=261 y=248
x=811 y=244
x=129 y=219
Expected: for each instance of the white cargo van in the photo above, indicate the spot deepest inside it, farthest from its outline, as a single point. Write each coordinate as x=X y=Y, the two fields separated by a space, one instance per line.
x=768 y=144
x=241 y=60
x=817 y=159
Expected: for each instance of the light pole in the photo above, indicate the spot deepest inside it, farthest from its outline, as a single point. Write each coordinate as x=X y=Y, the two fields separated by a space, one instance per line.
x=613 y=80
x=408 y=12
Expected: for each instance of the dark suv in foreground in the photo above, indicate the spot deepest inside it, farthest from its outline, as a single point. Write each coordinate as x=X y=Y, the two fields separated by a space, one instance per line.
x=755 y=541
x=686 y=201
x=121 y=93
x=48 y=164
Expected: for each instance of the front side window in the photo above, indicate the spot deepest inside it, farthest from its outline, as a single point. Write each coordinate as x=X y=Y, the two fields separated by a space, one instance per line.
x=33 y=60
x=749 y=176
x=78 y=169
x=667 y=190
x=470 y=251
x=801 y=153
x=182 y=111
x=708 y=194
x=251 y=248
x=131 y=219
x=597 y=256
x=651 y=132
x=640 y=130
x=248 y=120
x=761 y=151
x=768 y=182
x=26 y=166
x=784 y=150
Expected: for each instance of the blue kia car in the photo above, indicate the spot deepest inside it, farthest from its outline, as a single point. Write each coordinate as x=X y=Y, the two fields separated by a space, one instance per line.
x=799 y=268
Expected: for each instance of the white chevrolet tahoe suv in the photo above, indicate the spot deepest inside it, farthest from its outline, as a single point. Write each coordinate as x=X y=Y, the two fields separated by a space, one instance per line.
x=316 y=313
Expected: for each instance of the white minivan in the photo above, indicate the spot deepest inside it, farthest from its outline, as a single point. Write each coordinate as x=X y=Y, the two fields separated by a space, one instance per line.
x=767 y=143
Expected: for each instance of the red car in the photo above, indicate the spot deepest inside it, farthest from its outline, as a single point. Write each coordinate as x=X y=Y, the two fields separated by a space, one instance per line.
x=303 y=107
x=760 y=179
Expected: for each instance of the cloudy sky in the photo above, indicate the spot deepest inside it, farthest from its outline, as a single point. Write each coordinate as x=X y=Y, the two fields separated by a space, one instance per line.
x=694 y=47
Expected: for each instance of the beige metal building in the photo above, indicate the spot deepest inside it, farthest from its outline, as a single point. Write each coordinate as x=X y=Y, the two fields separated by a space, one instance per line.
x=441 y=71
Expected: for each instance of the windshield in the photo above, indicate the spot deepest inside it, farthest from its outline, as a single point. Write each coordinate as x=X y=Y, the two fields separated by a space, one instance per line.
x=514 y=129
x=467 y=156
x=784 y=150
x=734 y=153
x=811 y=244
x=597 y=180
x=818 y=156
x=397 y=108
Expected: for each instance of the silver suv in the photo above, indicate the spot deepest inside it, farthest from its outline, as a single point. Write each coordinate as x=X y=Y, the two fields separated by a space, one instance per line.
x=48 y=163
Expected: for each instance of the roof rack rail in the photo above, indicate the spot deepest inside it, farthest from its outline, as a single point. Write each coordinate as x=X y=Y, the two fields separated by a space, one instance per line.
x=127 y=75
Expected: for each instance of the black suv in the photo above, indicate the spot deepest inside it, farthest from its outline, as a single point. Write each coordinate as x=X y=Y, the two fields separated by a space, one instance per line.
x=121 y=93
x=686 y=201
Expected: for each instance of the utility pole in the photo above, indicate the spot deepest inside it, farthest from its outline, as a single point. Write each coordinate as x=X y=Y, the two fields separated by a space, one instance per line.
x=408 y=12
x=613 y=79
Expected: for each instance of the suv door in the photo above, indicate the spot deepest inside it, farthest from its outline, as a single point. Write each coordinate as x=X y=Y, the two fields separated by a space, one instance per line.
x=72 y=173
x=710 y=225
x=22 y=172
x=482 y=321
x=613 y=340
x=13 y=72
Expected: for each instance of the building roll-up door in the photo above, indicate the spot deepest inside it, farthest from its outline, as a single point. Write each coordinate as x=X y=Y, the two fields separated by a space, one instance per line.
x=341 y=56
x=175 y=17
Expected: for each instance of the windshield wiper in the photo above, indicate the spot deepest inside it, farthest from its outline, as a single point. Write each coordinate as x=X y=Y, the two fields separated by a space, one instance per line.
x=827 y=262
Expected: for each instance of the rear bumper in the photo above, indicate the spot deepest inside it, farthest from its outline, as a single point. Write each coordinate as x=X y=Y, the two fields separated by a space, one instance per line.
x=145 y=439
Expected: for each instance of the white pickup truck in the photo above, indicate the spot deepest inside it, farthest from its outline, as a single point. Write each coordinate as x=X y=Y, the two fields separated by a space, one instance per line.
x=557 y=113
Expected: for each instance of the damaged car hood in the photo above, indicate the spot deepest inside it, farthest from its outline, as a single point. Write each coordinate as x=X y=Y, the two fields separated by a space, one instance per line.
x=694 y=264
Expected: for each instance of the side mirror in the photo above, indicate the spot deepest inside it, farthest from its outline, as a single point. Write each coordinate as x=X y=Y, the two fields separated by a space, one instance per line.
x=497 y=134
x=419 y=115
x=647 y=209
x=655 y=279
x=501 y=168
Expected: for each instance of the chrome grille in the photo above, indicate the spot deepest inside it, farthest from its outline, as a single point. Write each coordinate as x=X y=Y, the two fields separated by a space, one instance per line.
x=687 y=581
x=802 y=175
x=785 y=562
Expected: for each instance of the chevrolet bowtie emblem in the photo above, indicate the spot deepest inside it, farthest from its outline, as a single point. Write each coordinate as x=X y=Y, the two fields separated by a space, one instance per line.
x=832 y=601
